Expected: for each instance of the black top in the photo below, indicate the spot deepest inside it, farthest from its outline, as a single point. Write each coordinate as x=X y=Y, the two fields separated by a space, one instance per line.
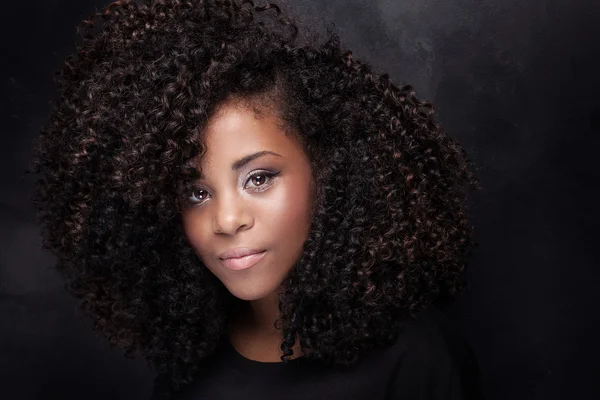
x=430 y=360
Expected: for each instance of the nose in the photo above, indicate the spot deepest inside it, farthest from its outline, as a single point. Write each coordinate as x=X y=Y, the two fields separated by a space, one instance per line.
x=231 y=215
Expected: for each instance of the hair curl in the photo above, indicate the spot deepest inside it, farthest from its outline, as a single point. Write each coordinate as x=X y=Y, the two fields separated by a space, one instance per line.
x=390 y=234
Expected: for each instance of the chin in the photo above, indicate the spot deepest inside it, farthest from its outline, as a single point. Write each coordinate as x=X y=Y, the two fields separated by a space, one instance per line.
x=249 y=293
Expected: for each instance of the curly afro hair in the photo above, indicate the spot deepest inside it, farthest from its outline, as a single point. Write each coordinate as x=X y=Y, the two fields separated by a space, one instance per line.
x=390 y=233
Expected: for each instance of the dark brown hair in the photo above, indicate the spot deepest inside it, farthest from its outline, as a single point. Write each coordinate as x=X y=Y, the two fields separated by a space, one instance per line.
x=390 y=234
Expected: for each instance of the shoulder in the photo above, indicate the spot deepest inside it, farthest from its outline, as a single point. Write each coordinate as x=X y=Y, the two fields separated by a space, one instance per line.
x=433 y=360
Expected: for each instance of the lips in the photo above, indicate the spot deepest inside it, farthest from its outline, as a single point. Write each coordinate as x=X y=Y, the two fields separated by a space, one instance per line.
x=244 y=261
x=239 y=252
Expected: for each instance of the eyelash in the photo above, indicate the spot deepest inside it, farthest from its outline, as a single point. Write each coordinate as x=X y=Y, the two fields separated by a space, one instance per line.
x=268 y=174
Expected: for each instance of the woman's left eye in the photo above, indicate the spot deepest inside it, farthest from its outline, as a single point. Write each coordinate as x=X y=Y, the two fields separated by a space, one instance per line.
x=261 y=180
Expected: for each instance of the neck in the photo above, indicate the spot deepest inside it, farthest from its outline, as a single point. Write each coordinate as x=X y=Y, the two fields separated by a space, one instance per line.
x=252 y=330
x=264 y=312
x=258 y=316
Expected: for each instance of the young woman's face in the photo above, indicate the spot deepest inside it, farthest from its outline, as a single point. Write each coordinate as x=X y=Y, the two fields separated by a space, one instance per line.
x=256 y=193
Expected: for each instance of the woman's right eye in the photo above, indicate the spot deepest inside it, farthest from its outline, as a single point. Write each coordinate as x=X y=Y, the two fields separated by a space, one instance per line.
x=198 y=195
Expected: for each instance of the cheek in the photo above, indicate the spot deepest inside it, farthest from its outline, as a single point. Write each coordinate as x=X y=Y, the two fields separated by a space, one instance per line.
x=288 y=213
x=194 y=231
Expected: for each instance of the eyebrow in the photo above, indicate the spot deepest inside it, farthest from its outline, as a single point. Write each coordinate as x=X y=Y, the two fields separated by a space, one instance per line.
x=247 y=159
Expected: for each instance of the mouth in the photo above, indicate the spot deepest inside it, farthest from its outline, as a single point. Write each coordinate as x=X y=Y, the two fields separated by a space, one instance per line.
x=244 y=262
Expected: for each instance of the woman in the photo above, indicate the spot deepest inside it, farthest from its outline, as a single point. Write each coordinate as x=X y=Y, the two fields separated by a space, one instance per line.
x=253 y=210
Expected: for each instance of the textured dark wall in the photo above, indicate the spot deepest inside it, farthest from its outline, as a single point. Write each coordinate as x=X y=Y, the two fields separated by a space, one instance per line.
x=515 y=81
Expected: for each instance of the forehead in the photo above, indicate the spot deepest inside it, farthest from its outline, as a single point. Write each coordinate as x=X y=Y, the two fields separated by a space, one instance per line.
x=236 y=130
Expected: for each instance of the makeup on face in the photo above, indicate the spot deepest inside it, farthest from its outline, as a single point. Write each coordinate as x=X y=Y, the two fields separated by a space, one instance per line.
x=243 y=262
x=248 y=215
x=264 y=177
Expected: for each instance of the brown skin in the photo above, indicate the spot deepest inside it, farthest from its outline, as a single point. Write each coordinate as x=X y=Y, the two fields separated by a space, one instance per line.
x=230 y=208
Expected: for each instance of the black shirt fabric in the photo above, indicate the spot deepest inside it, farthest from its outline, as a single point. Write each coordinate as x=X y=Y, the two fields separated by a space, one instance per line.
x=430 y=360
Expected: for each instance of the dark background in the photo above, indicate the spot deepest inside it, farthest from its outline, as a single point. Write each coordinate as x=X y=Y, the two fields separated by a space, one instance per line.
x=516 y=82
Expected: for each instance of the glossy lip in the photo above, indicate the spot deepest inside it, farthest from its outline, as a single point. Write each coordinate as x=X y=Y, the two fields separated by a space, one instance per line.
x=244 y=262
x=239 y=252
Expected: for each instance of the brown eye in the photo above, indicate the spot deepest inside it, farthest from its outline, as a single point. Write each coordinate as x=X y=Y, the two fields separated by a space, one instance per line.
x=198 y=196
x=262 y=180
x=200 y=192
x=258 y=179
